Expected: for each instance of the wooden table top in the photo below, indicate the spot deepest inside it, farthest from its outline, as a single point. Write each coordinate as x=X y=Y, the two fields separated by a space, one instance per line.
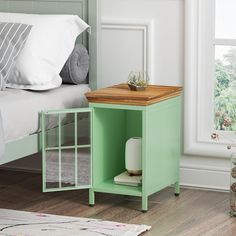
x=121 y=94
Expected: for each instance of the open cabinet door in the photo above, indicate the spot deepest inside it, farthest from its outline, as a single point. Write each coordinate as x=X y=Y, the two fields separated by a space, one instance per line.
x=67 y=149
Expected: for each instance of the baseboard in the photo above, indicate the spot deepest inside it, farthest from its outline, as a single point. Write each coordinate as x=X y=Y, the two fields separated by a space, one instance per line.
x=27 y=164
x=201 y=177
x=205 y=177
x=20 y=169
x=204 y=189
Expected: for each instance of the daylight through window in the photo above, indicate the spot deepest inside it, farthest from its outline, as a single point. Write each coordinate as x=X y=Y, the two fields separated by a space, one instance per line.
x=225 y=65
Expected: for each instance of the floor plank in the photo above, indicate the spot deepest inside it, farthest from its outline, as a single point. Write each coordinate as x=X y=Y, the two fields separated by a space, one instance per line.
x=194 y=213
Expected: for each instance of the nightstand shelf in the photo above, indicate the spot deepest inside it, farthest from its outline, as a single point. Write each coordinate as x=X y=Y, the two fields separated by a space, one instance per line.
x=109 y=186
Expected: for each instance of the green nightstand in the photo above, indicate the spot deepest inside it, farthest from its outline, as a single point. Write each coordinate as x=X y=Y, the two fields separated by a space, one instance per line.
x=116 y=114
x=119 y=114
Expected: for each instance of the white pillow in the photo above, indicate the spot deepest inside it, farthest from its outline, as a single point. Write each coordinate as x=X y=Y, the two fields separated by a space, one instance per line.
x=49 y=44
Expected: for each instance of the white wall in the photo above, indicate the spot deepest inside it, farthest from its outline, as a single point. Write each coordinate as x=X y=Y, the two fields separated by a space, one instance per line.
x=124 y=42
x=149 y=34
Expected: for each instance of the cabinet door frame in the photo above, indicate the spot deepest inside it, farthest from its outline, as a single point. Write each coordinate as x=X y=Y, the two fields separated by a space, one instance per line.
x=58 y=148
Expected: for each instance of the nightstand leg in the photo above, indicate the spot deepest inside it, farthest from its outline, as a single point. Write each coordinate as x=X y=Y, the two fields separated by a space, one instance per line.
x=177 y=189
x=144 y=204
x=91 y=197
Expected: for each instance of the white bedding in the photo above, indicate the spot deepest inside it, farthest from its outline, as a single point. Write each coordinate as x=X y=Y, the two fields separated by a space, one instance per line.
x=50 y=42
x=20 y=108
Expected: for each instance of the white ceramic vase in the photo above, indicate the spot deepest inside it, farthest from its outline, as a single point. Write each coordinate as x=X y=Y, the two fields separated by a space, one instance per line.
x=133 y=156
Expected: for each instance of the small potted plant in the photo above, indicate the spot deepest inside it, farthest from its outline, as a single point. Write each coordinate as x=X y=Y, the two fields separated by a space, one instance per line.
x=138 y=81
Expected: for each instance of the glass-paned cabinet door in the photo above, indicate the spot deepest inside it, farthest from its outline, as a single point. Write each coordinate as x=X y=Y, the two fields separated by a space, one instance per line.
x=66 y=149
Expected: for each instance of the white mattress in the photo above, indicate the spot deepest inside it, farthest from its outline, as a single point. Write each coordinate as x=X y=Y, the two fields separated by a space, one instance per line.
x=20 y=108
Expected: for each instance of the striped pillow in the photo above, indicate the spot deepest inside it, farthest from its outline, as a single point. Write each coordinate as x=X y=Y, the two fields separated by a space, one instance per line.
x=12 y=39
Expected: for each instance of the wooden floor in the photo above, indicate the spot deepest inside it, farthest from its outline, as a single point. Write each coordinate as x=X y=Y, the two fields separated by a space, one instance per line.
x=195 y=212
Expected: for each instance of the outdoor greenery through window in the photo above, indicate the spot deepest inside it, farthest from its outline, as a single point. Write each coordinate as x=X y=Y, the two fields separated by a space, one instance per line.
x=225 y=88
x=225 y=65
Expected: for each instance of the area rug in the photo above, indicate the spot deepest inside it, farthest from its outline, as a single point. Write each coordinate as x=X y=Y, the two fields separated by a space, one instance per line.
x=21 y=223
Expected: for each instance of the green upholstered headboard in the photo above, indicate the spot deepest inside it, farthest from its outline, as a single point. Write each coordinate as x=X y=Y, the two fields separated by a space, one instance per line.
x=88 y=10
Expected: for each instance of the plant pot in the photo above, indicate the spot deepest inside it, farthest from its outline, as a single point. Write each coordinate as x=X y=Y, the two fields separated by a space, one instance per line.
x=137 y=88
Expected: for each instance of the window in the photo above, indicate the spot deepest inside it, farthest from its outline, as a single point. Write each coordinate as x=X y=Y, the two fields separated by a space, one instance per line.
x=210 y=75
x=225 y=65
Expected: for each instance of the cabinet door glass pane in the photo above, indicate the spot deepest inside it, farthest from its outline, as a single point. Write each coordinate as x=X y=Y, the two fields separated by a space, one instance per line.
x=67 y=129
x=84 y=166
x=83 y=129
x=51 y=130
x=52 y=169
x=68 y=168
x=225 y=19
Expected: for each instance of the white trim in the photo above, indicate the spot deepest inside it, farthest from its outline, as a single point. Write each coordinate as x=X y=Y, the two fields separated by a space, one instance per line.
x=207 y=168
x=205 y=177
x=226 y=42
x=146 y=27
x=205 y=69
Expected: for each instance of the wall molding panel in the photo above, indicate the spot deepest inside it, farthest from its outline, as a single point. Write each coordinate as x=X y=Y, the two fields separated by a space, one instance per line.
x=146 y=28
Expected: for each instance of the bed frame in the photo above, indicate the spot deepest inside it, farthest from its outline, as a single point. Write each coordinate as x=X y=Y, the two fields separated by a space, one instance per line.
x=89 y=11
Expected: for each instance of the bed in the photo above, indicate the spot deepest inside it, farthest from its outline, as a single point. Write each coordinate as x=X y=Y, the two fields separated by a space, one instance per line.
x=22 y=108
x=26 y=140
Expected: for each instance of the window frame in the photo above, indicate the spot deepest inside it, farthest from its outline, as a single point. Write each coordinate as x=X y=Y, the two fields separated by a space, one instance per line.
x=199 y=82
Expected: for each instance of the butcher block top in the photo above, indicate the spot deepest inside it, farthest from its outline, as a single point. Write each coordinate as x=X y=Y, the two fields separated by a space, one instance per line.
x=121 y=94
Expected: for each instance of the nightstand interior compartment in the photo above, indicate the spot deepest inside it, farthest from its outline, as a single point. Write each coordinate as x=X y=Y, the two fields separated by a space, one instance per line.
x=111 y=129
